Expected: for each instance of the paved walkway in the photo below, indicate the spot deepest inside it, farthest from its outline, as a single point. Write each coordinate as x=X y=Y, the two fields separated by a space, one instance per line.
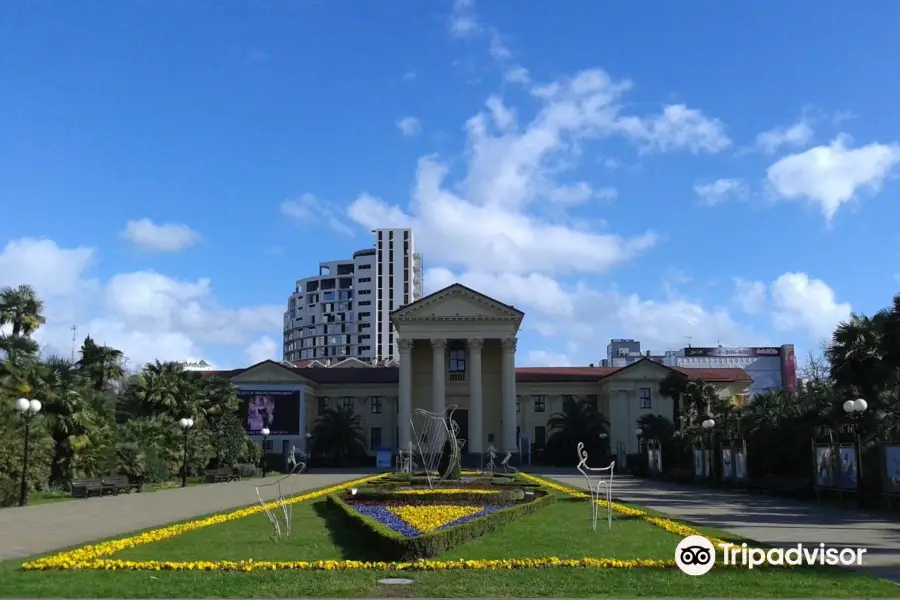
x=47 y=527
x=766 y=519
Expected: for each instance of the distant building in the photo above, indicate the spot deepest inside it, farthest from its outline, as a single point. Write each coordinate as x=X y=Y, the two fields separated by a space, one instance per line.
x=624 y=352
x=200 y=365
x=772 y=368
x=343 y=311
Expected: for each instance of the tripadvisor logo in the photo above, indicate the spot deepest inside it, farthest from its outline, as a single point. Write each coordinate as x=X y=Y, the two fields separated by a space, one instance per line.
x=696 y=555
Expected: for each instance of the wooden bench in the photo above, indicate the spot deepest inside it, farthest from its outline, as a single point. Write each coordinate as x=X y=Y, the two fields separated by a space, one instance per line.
x=221 y=474
x=783 y=485
x=119 y=483
x=85 y=488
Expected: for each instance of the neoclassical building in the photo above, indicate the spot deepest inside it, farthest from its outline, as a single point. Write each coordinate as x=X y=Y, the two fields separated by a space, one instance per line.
x=457 y=347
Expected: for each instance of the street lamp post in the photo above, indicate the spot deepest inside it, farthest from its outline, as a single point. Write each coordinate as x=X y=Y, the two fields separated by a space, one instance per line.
x=308 y=455
x=855 y=410
x=185 y=424
x=638 y=432
x=708 y=425
x=28 y=409
x=262 y=457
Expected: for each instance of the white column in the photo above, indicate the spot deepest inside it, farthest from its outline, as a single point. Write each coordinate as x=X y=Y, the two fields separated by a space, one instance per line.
x=404 y=397
x=438 y=376
x=476 y=410
x=509 y=395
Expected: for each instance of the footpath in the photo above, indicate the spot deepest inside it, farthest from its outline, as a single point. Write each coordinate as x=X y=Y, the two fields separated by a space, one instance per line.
x=44 y=528
x=772 y=521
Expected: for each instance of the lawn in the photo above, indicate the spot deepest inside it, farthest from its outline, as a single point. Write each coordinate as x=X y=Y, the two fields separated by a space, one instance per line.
x=322 y=532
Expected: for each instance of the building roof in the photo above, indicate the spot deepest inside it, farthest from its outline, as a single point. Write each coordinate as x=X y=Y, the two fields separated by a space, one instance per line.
x=333 y=375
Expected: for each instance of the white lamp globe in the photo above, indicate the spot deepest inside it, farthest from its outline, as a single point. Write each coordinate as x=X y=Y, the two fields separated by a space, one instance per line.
x=308 y=435
x=190 y=422
x=183 y=423
x=849 y=406
x=639 y=432
x=35 y=406
x=603 y=436
x=861 y=404
x=22 y=404
x=265 y=431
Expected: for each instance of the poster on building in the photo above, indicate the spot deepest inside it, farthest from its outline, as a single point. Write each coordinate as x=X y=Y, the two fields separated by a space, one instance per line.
x=740 y=465
x=698 y=462
x=277 y=411
x=824 y=467
x=788 y=368
x=892 y=470
x=849 y=476
x=727 y=464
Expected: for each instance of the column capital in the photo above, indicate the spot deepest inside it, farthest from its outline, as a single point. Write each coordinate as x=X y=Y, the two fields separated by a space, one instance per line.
x=439 y=344
x=405 y=344
x=475 y=343
x=510 y=344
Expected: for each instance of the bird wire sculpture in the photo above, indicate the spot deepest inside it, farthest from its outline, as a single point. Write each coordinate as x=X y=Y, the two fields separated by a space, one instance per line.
x=431 y=431
x=596 y=487
x=508 y=468
x=491 y=454
x=287 y=509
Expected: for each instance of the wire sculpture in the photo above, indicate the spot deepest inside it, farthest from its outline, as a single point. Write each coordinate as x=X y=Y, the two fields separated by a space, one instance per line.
x=597 y=486
x=431 y=434
x=491 y=454
x=287 y=509
x=405 y=462
x=461 y=443
x=508 y=468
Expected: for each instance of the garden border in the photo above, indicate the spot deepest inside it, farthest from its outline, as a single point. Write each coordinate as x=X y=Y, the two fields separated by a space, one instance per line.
x=91 y=557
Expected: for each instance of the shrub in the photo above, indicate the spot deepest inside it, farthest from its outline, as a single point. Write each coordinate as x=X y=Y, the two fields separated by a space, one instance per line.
x=248 y=471
x=9 y=492
x=390 y=545
x=502 y=497
x=444 y=464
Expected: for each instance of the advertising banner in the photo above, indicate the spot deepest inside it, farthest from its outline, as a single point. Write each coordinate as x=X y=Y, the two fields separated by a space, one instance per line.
x=279 y=411
x=733 y=352
x=892 y=469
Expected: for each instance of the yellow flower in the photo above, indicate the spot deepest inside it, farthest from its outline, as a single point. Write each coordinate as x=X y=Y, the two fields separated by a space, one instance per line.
x=429 y=518
x=427 y=492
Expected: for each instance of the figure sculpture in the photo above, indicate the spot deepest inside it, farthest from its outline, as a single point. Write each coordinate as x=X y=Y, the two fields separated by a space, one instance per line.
x=603 y=484
x=287 y=509
x=508 y=468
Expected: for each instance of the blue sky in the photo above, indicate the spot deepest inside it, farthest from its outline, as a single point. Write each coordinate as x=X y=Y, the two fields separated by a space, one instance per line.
x=719 y=171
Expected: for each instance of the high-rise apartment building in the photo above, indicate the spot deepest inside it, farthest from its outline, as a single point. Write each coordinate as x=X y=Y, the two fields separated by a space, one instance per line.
x=345 y=310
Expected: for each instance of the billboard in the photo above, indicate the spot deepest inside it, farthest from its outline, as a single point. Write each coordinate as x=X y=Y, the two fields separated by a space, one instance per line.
x=733 y=352
x=279 y=411
x=788 y=368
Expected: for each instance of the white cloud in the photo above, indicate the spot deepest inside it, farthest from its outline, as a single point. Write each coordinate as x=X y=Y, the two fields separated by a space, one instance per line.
x=145 y=314
x=750 y=296
x=265 y=348
x=677 y=128
x=517 y=75
x=830 y=176
x=409 y=126
x=463 y=21
x=797 y=135
x=169 y=237
x=718 y=191
x=309 y=209
x=409 y=76
x=807 y=305
x=545 y=358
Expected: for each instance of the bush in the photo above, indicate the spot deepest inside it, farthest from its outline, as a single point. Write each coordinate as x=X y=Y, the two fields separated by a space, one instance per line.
x=391 y=545
x=248 y=471
x=444 y=464
x=503 y=497
x=9 y=492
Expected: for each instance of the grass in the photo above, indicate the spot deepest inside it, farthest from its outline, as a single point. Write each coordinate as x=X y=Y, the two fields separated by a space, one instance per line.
x=320 y=532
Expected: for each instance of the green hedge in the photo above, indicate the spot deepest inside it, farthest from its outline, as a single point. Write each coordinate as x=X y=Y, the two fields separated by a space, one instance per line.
x=393 y=546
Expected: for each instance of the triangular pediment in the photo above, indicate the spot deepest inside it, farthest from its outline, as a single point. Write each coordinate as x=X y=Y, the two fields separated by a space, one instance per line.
x=642 y=369
x=457 y=302
x=269 y=372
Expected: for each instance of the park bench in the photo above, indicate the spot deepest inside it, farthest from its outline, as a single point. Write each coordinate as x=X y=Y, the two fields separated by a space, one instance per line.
x=119 y=483
x=780 y=485
x=221 y=474
x=85 y=488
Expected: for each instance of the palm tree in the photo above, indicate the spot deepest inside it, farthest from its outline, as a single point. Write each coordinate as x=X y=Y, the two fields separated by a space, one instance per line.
x=338 y=433
x=102 y=364
x=578 y=421
x=21 y=307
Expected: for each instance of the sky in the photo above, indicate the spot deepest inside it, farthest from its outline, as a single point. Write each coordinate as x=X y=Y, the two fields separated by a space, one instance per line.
x=694 y=172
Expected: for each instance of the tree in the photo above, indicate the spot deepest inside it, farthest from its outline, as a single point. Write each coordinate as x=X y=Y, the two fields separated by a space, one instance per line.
x=21 y=308
x=338 y=433
x=101 y=364
x=579 y=421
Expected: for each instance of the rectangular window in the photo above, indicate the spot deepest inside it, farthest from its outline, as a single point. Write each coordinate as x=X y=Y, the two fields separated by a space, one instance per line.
x=347 y=403
x=323 y=404
x=376 y=403
x=540 y=436
x=518 y=405
x=645 y=399
x=375 y=437
x=457 y=360
x=540 y=403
